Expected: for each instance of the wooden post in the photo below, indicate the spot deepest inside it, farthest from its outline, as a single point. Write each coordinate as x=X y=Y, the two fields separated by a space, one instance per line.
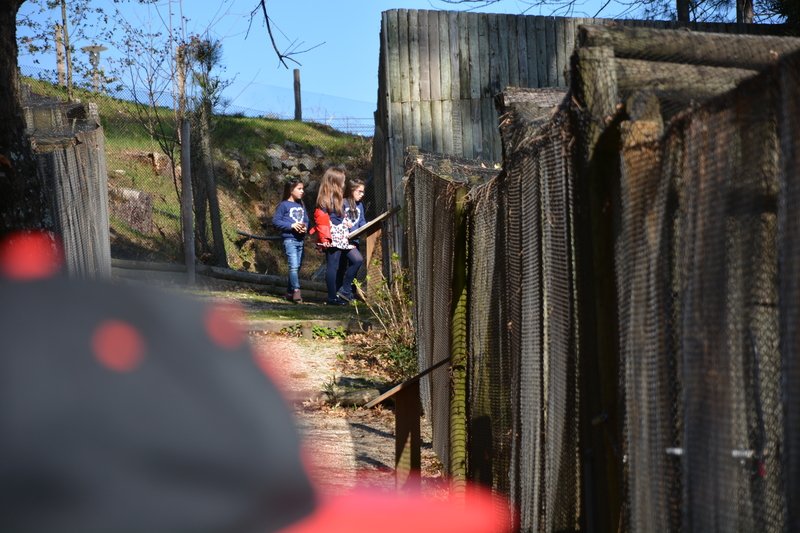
x=458 y=356
x=407 y=439
x=62 y=79
x=298 y=108
x=66 y=48
x=186 y=201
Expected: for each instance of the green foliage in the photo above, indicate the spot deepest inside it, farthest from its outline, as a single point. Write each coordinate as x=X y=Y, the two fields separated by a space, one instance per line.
x=395 y=343
x=295 y=330
x=323 y=332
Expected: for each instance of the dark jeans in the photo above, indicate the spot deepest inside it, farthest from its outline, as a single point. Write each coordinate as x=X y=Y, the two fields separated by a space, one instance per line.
x=337 y=273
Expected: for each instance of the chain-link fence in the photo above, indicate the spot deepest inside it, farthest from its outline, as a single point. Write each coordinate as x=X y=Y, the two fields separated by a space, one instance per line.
x=238 y=171
x=632 y=342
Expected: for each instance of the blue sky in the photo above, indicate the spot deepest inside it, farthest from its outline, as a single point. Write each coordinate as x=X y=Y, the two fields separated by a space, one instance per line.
x=339 y=78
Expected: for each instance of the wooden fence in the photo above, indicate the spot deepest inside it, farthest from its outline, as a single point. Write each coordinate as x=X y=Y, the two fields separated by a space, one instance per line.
x=440 y=70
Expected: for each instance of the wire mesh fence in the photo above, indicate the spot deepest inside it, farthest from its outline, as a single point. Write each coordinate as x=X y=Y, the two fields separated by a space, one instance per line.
x=238 y=171
x=632 y=341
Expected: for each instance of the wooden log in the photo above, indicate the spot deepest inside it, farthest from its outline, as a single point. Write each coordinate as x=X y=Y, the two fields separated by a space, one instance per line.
x=187 y=215
x=424 y=56
x=426 y=125
x=250 y=277
x=483 y=54
x=448 y=127
x=403 y=56
x=435 y=47
x=550 y=44
x=445 y=67
x=520 y=51
x=541 y=51
x=462 y=21
x=711 y=49
x=454 y=57
x=495 y=56
x=465 y=113
x=413 y=55
x=473 y=61
x=436 y=126
x=561 y=52
x=392 y=51
x=674 y=78
x=533 y=52
x=416 y=124
x=509 y=50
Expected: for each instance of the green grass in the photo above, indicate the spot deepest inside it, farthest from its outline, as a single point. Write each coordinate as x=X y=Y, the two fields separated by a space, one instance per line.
x=237 y=138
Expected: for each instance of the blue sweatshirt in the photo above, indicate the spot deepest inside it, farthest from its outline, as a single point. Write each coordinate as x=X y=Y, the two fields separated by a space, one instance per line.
x=356 y=214
x=288 y=213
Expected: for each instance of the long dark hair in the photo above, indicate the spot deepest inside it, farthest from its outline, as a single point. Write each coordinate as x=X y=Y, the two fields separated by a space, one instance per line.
x=289 y=186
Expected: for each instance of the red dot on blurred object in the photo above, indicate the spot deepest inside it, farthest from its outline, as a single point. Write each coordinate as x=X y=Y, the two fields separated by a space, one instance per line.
x=30 y=254
x=223 y=324
x=118 y=345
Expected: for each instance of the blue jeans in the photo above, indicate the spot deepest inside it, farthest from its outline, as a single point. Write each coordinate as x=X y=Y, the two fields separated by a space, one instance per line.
x=338 y=275
x=294 y=253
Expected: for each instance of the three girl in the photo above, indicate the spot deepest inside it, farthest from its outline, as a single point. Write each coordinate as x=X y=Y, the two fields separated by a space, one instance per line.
x=337 y=214
x=291 y=218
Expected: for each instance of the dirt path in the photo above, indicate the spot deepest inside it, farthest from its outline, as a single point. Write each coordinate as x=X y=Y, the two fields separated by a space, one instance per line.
x=345 y=447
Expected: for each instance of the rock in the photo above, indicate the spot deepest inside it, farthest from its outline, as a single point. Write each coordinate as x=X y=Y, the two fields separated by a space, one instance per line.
x=305 y=176
x=275 y=153
x=291 y=145
x=289 y=162
x=317 y=152
x=133 y=207
x=259 y=132
x=306 y=164
x=275 y=163
x=294 y=171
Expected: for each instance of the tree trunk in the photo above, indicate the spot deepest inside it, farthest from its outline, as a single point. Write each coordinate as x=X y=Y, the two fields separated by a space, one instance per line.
x=682 y=7
x=221 y=258
x=25 y=201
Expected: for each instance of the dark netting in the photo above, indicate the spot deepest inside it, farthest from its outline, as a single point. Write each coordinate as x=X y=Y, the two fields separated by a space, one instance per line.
x=685 y=136
x=633 y=298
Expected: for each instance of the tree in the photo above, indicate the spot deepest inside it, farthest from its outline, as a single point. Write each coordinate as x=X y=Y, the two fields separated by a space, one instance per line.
x=25 y=201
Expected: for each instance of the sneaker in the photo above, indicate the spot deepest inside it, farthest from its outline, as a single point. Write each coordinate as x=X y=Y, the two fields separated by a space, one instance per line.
x=346 y=296
x=288 y=297
x=335 y=301
x=296 y=298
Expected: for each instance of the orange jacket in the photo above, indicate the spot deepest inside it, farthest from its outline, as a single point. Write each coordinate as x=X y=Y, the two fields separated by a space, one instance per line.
x=322 y=227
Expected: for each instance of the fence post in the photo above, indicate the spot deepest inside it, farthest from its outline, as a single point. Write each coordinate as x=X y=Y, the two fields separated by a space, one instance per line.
x=186 y=200
x=298 y=108
x=458 y=354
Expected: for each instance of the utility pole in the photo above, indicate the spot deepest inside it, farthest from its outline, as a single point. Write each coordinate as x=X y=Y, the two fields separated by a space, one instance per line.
x=66 y=48
x=298 y=108
x=62 y=80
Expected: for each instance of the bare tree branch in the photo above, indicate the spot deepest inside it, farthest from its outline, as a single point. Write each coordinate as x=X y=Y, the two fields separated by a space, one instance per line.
x=291 y=50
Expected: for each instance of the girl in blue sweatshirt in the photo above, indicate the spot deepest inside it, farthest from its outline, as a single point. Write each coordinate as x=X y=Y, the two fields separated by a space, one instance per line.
x=291 y=218
x=350 y=263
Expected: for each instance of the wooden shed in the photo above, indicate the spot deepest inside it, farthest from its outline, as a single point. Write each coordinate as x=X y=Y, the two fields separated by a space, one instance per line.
x=440 y=70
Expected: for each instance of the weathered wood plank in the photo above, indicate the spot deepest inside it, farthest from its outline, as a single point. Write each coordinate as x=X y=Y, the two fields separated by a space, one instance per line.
x=474 y=64
x=533 y=52
x=463 y=53
x=467 y=145
x=520 y=52
x=455 y=56
x=405 y=63
x=509 y=50
x=435 y=47
x=571 y=27
x=424 y=57
x=448 y=127
x=541 y=51
x=437 y=143
x=407 y=139
x=416 y=124
x=476 y=116
x=400 y=112
x=560 y=49
x=446 y=73
x=492 y=84
x=413 y=54
x=458 y=130
x=489 y=126
x=483 y=52
x=550 y=42
x=425 y=124
x=391 y=56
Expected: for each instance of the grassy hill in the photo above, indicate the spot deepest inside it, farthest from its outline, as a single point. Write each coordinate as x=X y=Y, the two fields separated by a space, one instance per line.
x=249 y=184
